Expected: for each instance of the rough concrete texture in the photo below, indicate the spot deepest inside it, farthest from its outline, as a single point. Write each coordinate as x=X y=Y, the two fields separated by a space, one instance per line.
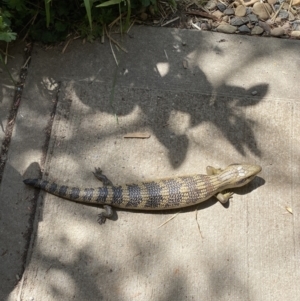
x=14 y=211
x=192 y=92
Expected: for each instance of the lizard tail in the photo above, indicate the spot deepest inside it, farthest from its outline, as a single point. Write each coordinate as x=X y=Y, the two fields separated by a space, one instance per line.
x=78 y=194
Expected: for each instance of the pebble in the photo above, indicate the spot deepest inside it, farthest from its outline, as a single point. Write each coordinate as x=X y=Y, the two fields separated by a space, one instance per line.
x=143 y=16
x=254 y=93
x=287 y=7
x=221 y=6
x=277 y=32
x=286 y=26
x=244 y=29
x=226 y=28
x=260 y=10
x=228 y=11
x=257 y=30
x=249 y=10
x=296 y=25
x=283 y=14
x=266 y=27
x=291 y=16
x=253 y=18
x=218 y=14
x=211 y=5
x=240 y=11
x=205 y=26
x=225 y=18
x=295 y=34
x=238 y=21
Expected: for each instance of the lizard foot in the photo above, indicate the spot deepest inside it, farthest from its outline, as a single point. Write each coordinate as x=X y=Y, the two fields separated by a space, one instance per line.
x=100 y=176
x=104 y=215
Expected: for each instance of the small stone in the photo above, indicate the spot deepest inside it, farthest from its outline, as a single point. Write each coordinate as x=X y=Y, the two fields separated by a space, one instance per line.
x=226 y=28
x=295 y=34
x=296 y=25
x=249 y=10
x=228 y=11
x=244 y=29
x=286 y=27
x=253 y=18
x=272 y=2
x=225 y=18
x=277 y=32
x=260 y=10
x=203 y=26
x=240 y=11
x=254 y=93
x=291 y=17
x=143 y=16
x=266 y=27
x=287 y=7
x=221 y=6
x=283 y=14
x=257 y=30
x=278 y=20
x=238 y=21
x=218 y=14
x=211 y=4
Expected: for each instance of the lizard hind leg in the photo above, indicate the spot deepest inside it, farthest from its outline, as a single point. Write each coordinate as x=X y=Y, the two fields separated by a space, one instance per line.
x=101 y=177
x=108 y=213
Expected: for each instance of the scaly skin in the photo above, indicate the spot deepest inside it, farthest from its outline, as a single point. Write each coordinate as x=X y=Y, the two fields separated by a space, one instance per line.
x=163 y=194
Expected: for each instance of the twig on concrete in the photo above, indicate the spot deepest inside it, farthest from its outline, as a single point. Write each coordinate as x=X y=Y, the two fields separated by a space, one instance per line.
x=168 y=220
x=170 y=21
x=198 y=224
x=114 y=41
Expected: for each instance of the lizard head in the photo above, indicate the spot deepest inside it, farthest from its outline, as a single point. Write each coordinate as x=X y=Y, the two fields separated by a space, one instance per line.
x=238 y=175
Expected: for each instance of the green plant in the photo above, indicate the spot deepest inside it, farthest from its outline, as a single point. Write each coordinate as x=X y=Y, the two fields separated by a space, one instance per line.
x=114 y=2
x=6 y=34
x=51 y=21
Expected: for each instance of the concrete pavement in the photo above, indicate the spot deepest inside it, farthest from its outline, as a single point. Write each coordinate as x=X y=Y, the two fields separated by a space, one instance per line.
x=193 y=93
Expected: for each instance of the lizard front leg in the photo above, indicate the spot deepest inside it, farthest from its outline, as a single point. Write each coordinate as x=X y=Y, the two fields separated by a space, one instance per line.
x=224 y=197
x=211 y=171
x=221 y=196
